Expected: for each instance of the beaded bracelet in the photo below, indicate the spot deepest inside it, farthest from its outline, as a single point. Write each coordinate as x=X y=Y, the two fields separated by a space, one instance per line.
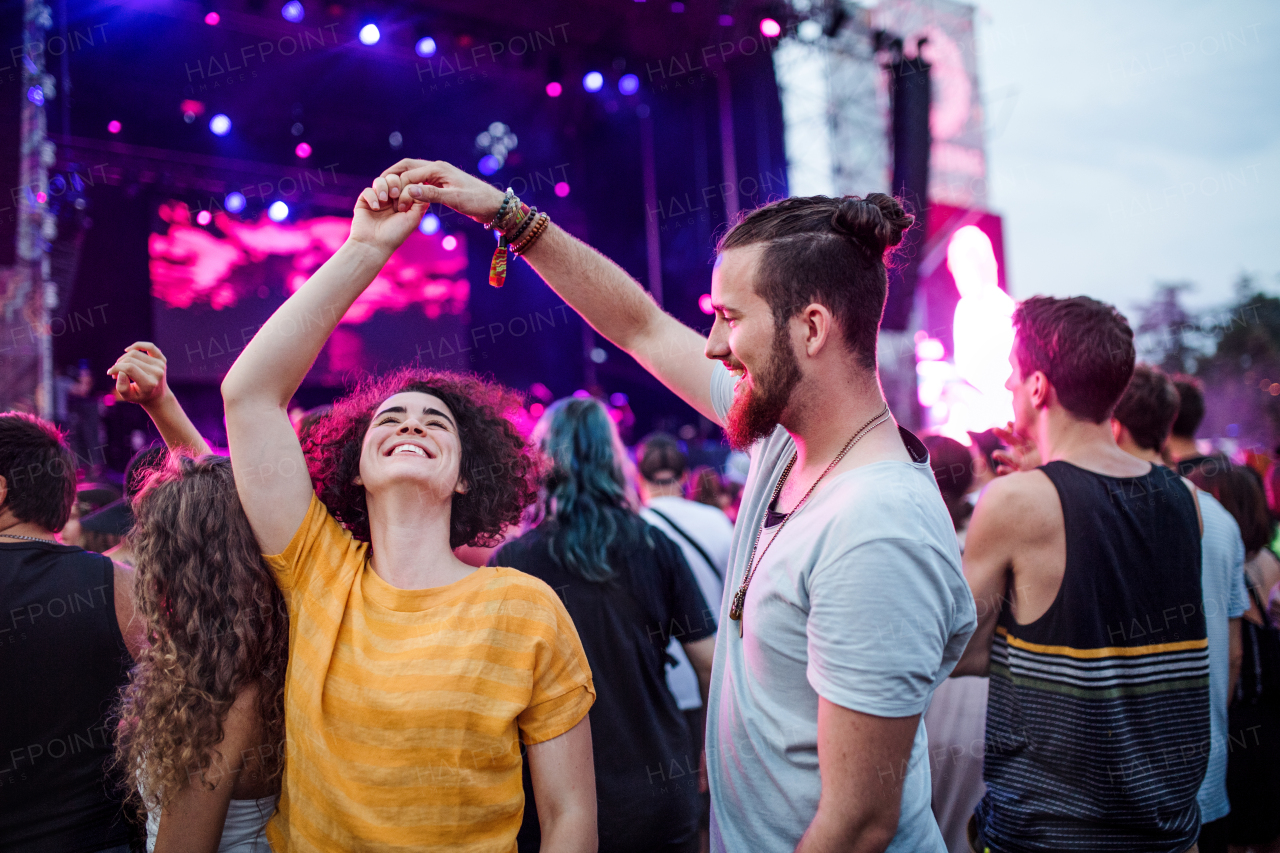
x=534 y=233
x=511 y=207
x=522 y=229
x=502 y=209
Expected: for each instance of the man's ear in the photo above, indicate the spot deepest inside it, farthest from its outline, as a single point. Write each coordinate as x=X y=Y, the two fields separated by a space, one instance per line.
x=462 y=487
x=1040 y=389
x=819 y=326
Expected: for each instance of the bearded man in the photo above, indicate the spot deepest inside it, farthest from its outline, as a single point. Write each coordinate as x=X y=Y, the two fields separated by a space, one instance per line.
x=845 y=604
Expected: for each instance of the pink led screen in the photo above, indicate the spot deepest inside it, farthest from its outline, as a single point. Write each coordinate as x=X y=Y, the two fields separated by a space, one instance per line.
x=213 y=286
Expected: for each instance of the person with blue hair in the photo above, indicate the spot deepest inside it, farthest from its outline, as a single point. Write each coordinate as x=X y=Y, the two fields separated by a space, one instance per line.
x=629 y=592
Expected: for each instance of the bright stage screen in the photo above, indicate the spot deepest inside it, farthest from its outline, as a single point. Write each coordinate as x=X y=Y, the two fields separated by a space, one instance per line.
x=213 y=285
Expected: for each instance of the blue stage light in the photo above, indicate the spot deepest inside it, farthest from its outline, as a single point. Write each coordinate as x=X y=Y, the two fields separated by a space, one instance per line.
x=293 y=11
x=426 y=46
x=593 y=81
x=489 y=164
x=369 y=34
x=629 y=84
x=220 y=125
x=278 y=211
x=235 y=202
x=430 y=224
x=36 y=95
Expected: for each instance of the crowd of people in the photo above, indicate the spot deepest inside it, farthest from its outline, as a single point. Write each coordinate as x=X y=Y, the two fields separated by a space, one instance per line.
x=402 y=624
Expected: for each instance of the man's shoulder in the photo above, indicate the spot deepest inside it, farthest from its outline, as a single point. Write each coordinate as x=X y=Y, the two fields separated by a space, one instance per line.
x=683 y=510
x=1022 y=493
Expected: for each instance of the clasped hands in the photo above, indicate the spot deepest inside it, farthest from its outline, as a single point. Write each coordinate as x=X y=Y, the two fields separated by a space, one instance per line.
x=387 y=211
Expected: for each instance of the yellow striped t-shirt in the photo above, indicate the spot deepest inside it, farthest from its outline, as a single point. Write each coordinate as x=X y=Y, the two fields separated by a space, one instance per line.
x=404 y=708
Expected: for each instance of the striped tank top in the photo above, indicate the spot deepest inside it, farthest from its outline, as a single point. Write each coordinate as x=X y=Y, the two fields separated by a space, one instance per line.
x=1098 y=720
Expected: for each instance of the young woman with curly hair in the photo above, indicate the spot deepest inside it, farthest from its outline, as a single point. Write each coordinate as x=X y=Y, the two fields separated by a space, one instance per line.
x=413 y=677
x=202 y=720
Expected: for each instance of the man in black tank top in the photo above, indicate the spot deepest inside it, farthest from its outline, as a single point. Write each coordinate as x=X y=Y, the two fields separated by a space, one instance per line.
x=67 y=636
x=1086 y=573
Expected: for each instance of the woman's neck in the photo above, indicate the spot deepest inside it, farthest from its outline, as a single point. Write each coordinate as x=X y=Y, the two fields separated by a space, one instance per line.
x=409 y=538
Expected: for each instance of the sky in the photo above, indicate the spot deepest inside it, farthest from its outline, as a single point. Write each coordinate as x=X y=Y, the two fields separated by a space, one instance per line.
x=1131 y=143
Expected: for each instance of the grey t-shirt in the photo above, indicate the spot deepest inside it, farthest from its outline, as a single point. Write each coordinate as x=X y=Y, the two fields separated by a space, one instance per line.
x=861 y=601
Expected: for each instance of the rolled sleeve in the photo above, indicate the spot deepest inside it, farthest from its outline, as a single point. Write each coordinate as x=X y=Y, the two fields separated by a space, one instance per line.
x=563 y=691
x=880 y=620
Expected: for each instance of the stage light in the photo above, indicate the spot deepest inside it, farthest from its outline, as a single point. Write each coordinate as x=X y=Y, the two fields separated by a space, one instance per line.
x=234 y=202
x=489 y=164
x=554 y=89
x=212 y=19
x=369 y=34
x=599 y=356
x=113 y=126
x=426 y=46
x=293 y=11
x=593 y=81
x=769 y=28
x=193 y=107
x=41 y=197
x=36 y=95
x=809 y=30
x=704 y=303
x=430 y=224
x=629 y=84
x=677 y=7
x=278 y=211
x=726 y=20
x=618 y=399
x=303 y=150
x=204 y=217
x=449 y=243
x=396 y=139
x=297 y=128
x=220 y=125
x=562 y=189
x=536 y=409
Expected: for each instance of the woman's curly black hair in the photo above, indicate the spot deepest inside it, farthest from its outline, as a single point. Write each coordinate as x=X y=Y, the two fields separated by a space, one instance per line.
x=500 y=468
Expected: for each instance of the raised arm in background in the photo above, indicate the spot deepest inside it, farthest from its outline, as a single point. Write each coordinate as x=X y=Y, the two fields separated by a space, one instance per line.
x=604 y=294
x=271 y=473
x=141 y=378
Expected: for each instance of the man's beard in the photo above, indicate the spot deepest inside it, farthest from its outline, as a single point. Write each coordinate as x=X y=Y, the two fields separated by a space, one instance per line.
x=757 y=410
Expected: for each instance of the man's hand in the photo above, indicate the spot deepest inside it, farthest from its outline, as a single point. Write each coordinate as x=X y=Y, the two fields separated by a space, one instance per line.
x=140 y=374
x=1021 y=454
x=380 y=220
x=432 y=181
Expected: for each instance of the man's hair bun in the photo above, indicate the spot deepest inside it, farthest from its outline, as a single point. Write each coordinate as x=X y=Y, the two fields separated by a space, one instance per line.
x=877 y=222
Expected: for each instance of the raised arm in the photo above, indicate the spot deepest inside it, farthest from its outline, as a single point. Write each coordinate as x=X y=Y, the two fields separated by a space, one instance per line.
x=607 y=297
x=271 y=473
x=141 y=377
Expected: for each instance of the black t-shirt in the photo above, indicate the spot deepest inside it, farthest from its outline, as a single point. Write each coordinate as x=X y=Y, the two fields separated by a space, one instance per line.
x=646 y=770
x=62 y=664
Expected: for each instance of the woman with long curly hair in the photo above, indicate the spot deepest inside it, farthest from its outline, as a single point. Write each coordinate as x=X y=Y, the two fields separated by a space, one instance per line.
x=629 y=591
x=202 y=720
x=413 y=677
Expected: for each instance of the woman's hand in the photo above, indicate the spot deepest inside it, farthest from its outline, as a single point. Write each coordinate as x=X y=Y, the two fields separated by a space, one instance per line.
x=140 y=374
x=380 y=219
x=432 y=181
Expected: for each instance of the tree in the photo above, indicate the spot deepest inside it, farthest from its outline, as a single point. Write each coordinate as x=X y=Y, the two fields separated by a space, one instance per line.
x=1168 y=336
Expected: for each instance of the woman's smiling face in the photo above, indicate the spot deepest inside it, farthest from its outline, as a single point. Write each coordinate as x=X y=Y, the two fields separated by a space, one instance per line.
x=412 y=437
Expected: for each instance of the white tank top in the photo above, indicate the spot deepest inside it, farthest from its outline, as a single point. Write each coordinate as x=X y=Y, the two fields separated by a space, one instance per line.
x=243 y=832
